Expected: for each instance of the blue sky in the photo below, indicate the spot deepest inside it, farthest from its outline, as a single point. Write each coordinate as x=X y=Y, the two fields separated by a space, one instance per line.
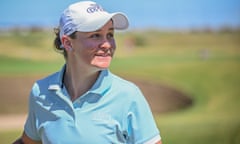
x=169 y=14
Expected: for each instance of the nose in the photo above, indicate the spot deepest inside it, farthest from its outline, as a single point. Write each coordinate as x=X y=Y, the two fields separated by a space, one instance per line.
x=105 y=44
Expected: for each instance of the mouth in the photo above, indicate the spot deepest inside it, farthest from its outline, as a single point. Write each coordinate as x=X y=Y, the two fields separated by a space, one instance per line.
x=102 y=58
x=105 y=53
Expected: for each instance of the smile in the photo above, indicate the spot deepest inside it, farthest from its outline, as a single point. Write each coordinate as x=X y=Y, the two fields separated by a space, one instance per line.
x=104 y=53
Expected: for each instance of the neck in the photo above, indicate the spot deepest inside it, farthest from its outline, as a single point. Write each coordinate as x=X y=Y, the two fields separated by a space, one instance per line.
x=79 y=81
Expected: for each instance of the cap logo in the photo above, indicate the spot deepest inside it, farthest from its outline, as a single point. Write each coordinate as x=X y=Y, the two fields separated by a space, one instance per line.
x=94 y=8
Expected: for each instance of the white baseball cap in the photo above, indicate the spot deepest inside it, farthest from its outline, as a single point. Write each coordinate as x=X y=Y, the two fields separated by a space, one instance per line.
x=88 y=16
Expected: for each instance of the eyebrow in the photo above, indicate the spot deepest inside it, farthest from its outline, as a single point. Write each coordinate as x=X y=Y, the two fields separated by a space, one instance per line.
x=111 y=29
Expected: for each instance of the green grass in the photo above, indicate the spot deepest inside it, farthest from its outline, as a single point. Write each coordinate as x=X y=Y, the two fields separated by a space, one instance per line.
x=15 y=66
x=204 y=65
x=8 y=137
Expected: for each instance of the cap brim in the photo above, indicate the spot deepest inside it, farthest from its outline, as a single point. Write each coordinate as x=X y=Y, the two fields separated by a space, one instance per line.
x=120 y=22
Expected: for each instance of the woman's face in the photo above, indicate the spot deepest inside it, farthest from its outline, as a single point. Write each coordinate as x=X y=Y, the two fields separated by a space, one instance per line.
x=94 y=49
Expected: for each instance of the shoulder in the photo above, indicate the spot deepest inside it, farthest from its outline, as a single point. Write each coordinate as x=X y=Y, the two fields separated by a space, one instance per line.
x=43 y=84
x=48 y=80
x=122 y=83
x=126 y=88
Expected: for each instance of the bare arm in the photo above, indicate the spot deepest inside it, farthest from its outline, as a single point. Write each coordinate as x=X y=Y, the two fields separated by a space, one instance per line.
x=159 y=142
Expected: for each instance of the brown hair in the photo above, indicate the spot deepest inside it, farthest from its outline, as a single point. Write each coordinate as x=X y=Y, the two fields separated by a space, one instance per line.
x=58 y=44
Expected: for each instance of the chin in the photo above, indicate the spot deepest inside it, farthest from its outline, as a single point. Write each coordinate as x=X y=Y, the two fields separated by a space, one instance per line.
x=102 y=67
x=102 y=63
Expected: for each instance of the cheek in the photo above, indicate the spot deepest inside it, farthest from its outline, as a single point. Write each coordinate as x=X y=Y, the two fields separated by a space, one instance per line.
x=88 y=48
x=90 y=45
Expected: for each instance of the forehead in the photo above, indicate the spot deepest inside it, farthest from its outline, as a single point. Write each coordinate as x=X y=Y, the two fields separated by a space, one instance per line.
x=107 y=26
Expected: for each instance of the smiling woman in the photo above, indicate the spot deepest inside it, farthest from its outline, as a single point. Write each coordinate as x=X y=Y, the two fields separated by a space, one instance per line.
x=84 y=99
x=95 y=47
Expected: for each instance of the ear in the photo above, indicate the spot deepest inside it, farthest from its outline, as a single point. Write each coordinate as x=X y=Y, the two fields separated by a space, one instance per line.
x=66 y=42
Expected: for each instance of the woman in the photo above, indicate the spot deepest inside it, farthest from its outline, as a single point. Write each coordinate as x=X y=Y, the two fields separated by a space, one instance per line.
x=84 y=103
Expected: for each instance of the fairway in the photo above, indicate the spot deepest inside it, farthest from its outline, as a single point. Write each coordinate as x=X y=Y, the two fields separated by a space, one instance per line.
x=201 y=67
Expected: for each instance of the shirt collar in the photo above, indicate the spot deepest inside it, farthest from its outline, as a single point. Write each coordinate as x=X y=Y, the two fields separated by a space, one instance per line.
x=57 y=82
x=102 y=84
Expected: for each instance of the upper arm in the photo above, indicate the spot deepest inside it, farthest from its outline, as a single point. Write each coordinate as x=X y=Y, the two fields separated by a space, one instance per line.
x=139 y=115
x=31 y=127
x=159 y=142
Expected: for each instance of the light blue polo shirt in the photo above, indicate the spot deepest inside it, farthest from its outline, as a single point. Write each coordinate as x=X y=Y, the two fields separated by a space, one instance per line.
x=113 y=111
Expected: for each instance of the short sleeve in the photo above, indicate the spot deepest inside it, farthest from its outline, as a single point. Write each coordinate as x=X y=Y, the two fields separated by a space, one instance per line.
x=142 y=126
x=30 y=127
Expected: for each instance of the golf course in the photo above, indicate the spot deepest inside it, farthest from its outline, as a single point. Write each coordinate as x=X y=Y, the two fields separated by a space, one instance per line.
x=191 y=79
